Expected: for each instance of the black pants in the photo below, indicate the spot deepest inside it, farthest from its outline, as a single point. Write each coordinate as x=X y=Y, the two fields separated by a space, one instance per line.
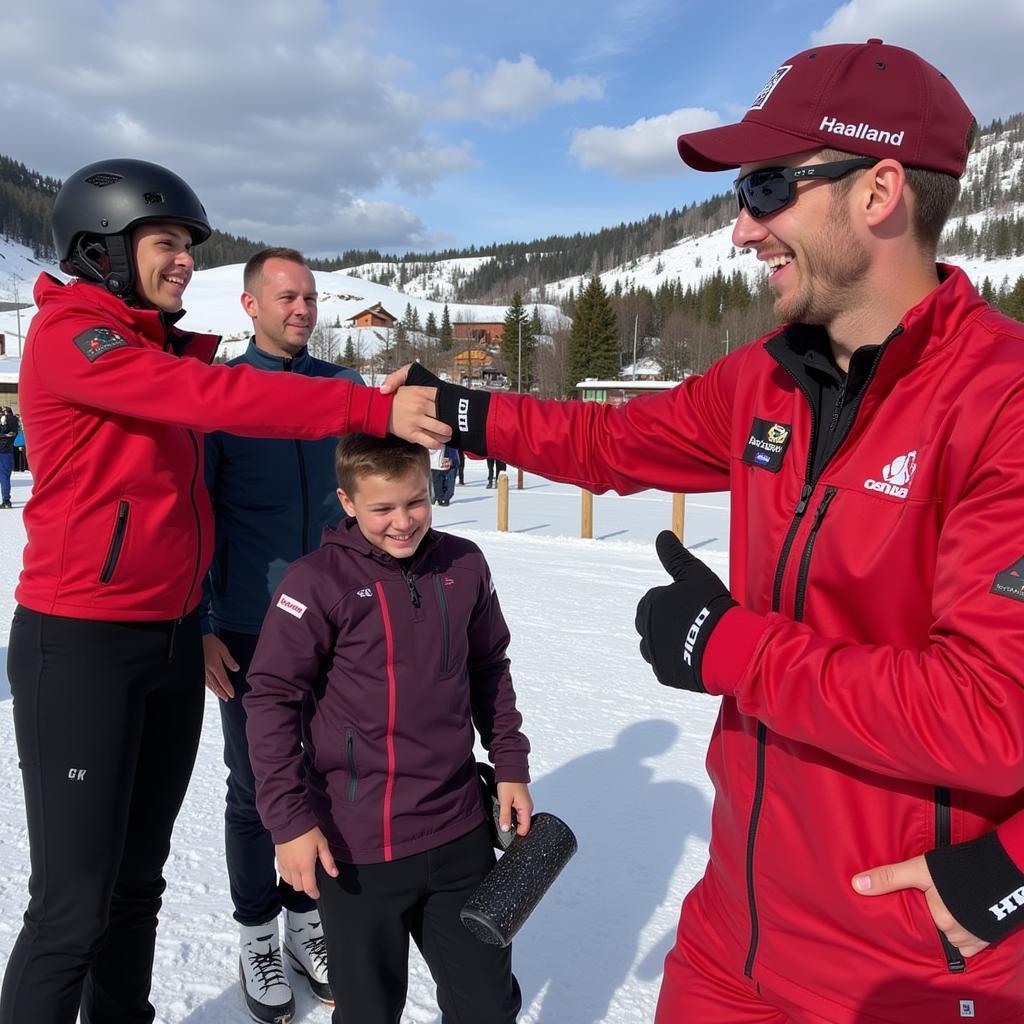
x=370 y=910
x=256 y=892
x=494 y=467
x=107 y=717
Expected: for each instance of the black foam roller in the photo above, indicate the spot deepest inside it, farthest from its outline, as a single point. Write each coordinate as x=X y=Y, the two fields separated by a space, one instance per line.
x=506 y=897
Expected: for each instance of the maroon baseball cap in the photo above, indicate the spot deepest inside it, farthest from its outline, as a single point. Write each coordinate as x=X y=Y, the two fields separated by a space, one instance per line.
x=865 y=98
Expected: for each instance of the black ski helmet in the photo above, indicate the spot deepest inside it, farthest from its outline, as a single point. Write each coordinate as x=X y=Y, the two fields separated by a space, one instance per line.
x=97 y=207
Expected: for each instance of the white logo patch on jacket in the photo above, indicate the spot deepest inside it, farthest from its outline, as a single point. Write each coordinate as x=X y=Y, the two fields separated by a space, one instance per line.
x=291 y=606
x=896 y=476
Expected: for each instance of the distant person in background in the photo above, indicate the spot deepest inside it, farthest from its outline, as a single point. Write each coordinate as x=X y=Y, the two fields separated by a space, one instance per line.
x=9 y=429
x=105 y=659
x=494 y=467
x=20 y=455
x=462 y=467
x=443 y=462
x=271 y=499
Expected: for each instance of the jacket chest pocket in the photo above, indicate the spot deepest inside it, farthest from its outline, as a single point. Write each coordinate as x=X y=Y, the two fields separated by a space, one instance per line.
x=116 y=542
x=445 y=626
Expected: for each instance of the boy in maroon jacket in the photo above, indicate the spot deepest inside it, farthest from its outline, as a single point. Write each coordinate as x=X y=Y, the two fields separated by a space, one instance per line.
x=392 y=635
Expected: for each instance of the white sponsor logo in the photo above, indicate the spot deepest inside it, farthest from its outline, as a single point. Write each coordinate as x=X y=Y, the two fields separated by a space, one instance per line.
x=692 y=634
x=966 y=1007
x=756 y=442
x=896 y=476
x=77 y=774
x=1008 y=905
x=762 y=97
x=291 y=606
x=464 y=414
x=365 y=592
x=861 y=130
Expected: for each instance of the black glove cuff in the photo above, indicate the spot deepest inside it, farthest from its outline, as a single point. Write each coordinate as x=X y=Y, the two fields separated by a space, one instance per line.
x=698 y=633
x=980 y=885
x=462 y=409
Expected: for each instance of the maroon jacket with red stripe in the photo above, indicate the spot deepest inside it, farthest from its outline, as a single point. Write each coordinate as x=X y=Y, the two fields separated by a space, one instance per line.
x=116 y=400
x=873 y=675
x=401 y=665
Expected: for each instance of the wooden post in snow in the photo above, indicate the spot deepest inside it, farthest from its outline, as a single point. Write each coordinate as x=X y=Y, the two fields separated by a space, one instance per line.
x=586 y=515
x=503 y=502
x=678 y=512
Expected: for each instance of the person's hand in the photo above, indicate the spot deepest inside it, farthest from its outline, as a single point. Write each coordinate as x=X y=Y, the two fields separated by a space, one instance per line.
x=296 y=861
x=675 y=621
x=914 y=874
x=395 y=379
x=413 y=414
x=514 y=796
x=218 y=661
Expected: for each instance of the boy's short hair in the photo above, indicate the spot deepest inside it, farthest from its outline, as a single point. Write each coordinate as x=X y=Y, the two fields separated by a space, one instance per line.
x=360 y=455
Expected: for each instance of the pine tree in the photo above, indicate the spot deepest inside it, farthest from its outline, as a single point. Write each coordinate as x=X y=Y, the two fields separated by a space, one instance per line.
x=431 y=326
x=536 y=327
x=350 y=352
x=445 y=337
x=518 y=336
x=414 y=323
x=594 y=338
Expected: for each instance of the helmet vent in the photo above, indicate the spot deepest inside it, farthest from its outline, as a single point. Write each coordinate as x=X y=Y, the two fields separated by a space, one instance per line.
x=151 y=198
x=101 y=180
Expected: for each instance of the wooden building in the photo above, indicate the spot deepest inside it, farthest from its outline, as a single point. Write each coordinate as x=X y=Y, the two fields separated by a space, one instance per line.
x=480 y=334
x=374 y=316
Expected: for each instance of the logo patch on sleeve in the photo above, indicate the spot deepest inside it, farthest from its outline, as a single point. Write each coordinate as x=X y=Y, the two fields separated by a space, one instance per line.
x=1010 y=582
x=767 y=444
x=291 y=606
x=97 y=341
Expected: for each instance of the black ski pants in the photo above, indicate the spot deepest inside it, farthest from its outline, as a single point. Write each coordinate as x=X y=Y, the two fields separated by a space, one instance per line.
x=107 y=717
x=256 y=891
x=369 y=912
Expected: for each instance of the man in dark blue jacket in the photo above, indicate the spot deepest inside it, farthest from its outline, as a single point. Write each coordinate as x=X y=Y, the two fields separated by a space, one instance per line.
x=271 y=500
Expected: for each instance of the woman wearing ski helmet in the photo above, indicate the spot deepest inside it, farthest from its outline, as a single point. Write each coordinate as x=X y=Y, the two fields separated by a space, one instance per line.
x=105 y=658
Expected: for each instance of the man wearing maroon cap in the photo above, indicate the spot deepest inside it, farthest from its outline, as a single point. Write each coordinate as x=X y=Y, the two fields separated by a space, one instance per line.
x=868 y=650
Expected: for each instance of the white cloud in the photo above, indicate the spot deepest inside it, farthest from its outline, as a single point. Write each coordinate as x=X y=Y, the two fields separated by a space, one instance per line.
x=293 y=105
x=978 y=47
x=644 y=149
x=512 y=89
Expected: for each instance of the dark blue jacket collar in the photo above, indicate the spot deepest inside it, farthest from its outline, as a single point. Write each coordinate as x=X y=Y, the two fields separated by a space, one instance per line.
x=265 y=361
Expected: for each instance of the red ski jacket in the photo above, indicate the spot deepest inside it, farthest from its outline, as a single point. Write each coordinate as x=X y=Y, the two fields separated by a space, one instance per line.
x=119 y=523
x=873 y=675
x=403 y=663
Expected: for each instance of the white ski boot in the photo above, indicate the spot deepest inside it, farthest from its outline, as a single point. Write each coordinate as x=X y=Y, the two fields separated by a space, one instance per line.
x=306 y=951
x=268 y=996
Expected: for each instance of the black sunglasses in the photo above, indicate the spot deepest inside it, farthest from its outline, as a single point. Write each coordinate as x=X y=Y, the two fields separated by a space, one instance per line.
x=769 y=189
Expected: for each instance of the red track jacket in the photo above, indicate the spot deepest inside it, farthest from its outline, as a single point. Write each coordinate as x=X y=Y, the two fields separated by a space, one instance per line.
x=119 y=524
x=873 y=677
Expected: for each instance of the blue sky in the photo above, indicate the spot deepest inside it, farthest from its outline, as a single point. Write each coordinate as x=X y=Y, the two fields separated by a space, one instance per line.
x=402 y=125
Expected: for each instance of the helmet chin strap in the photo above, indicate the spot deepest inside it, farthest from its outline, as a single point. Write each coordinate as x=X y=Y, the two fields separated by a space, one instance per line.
x=106 y=260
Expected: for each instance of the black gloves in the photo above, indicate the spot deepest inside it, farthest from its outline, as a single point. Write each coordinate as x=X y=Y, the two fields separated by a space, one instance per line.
x=980 y=885
x=675 y=621
x=463 y=409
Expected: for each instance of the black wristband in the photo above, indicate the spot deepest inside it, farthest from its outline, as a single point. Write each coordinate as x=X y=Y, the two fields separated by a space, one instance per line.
x=698 y=634
x=981 y=886
x=462 y=409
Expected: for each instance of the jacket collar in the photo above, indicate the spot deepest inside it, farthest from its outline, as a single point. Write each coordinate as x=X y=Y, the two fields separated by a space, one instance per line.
x=348 y=535
x=267 y=361
x=90 y=300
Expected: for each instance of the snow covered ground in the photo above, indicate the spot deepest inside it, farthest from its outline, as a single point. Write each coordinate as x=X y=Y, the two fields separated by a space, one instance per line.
x=619 y=757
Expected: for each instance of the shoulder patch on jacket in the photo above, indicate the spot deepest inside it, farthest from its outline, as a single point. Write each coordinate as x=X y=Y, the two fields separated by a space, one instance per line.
x=1010 y=582
x=97 y=341
x=291 y=606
